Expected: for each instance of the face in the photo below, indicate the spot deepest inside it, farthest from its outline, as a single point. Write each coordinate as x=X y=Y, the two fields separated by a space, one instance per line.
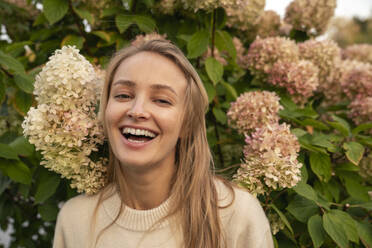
x=144 y=111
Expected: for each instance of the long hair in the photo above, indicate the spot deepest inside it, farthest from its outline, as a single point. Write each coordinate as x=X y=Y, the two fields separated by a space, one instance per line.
x=195 y=199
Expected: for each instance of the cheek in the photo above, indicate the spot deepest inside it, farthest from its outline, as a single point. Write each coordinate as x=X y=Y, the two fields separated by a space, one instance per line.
x=110 y=114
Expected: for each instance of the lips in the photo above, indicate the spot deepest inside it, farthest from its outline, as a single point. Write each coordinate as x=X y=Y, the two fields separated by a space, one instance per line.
x=136 y=136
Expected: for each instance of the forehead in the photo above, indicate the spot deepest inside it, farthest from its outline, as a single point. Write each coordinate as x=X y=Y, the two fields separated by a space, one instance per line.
x=151 y=68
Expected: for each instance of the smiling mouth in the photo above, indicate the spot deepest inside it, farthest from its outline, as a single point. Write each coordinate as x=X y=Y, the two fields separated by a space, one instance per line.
x=137 y=135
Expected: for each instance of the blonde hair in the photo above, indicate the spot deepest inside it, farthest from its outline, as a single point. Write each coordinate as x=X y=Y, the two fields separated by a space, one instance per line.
x=195 y=199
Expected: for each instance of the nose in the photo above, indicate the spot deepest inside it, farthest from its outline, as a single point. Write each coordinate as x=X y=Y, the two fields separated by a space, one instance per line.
x=138 y=110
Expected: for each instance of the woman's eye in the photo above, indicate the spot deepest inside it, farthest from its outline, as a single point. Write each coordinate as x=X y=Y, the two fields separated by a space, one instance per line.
x=122 y=96
x=163 y=101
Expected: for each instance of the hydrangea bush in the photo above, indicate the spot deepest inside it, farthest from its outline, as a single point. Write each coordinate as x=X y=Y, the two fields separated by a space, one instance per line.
x=289 y=116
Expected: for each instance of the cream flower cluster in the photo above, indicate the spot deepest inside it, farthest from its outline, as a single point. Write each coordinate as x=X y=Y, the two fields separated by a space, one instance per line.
x=357 y=82
x=335 y=90
x=240 y=51
x=264 y=53
x=241 y=13
x=270 y=159
x=360 y=52
x=310 y=16
x=276 y=222
x=254 y=109
x=140 y=39
x=279 y=61
x=268 y=24
x=299 y=78
x=361 y=110
x=324 y=54
x=64 y=125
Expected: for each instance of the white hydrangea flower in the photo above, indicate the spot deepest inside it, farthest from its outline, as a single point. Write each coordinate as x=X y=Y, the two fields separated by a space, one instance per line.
x=64 y=125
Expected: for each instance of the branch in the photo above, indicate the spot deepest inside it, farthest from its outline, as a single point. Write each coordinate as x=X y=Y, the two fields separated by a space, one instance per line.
x=213 y=30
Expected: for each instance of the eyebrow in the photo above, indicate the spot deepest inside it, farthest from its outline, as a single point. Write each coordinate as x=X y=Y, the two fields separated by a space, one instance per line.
x=132 y=84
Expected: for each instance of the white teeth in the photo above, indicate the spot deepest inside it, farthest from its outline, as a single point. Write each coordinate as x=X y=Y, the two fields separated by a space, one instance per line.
x=134 y=131
x=136 y=141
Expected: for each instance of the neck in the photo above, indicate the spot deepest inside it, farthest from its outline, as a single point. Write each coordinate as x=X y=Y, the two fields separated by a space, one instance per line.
x=147 y=189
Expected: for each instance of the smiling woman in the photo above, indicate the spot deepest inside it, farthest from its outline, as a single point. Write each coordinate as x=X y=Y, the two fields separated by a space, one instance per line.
x=161 y=189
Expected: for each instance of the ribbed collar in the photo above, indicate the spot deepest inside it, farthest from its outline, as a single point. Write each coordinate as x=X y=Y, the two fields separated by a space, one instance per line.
x=137 y=220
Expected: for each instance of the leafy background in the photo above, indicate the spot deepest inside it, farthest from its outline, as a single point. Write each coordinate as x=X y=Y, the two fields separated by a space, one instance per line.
x=330 y=206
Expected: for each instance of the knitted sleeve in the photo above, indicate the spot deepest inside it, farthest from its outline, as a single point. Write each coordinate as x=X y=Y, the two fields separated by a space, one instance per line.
x=59 y=235
x=249 y=227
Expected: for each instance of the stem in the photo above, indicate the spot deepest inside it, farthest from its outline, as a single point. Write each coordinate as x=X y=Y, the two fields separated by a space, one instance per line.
x=134 y=4
x=213 y=30
x=79 y=26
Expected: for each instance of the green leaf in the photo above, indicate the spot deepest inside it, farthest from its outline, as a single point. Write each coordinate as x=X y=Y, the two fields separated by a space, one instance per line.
x=334 y=187
x=230 y=89
x=47 y=185
x=348 y=224
x=306 y=191
x=23 y=102
x=365 y=140
x=10 y=64
x=110 y=11
x=361 y=128
x=16 y=170
x=314 y=123
x=282 y=217
x=103 y=35
x=148 y=3
x=302 y=209
x=73 y=40
x=211 y=91
x=214 y=70
x=365 y=233
x=355 y=189
x=55 y=10
x=354 y=152
x=322 y=140
x=2 y=91
x=8 y=152
x=341 y=125
x=224 y=43
x=145 y=23
x=48 y=212
x=220 y=115
x=316 y=230
x=321 y=165
x=348 y=166
x=198 y=44
x=366 y=205
x=22 y=146
x=24 y=82
x=334 y=228
x=4 y=183
x=84 y=14
x=123 y=22
x=17 y=48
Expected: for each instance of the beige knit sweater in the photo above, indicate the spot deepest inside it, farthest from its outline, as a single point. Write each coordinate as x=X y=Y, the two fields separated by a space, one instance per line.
x=244 y=224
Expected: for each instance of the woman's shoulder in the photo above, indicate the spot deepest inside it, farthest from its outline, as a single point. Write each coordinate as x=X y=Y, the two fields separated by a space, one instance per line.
x=237 y=201
x=78 y=209
x=243 y=218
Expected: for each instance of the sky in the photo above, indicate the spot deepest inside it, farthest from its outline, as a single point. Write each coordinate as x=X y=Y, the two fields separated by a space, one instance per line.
x=346 y=8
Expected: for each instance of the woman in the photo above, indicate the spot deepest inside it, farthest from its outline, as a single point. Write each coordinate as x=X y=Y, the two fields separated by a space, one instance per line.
x=161 y=191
